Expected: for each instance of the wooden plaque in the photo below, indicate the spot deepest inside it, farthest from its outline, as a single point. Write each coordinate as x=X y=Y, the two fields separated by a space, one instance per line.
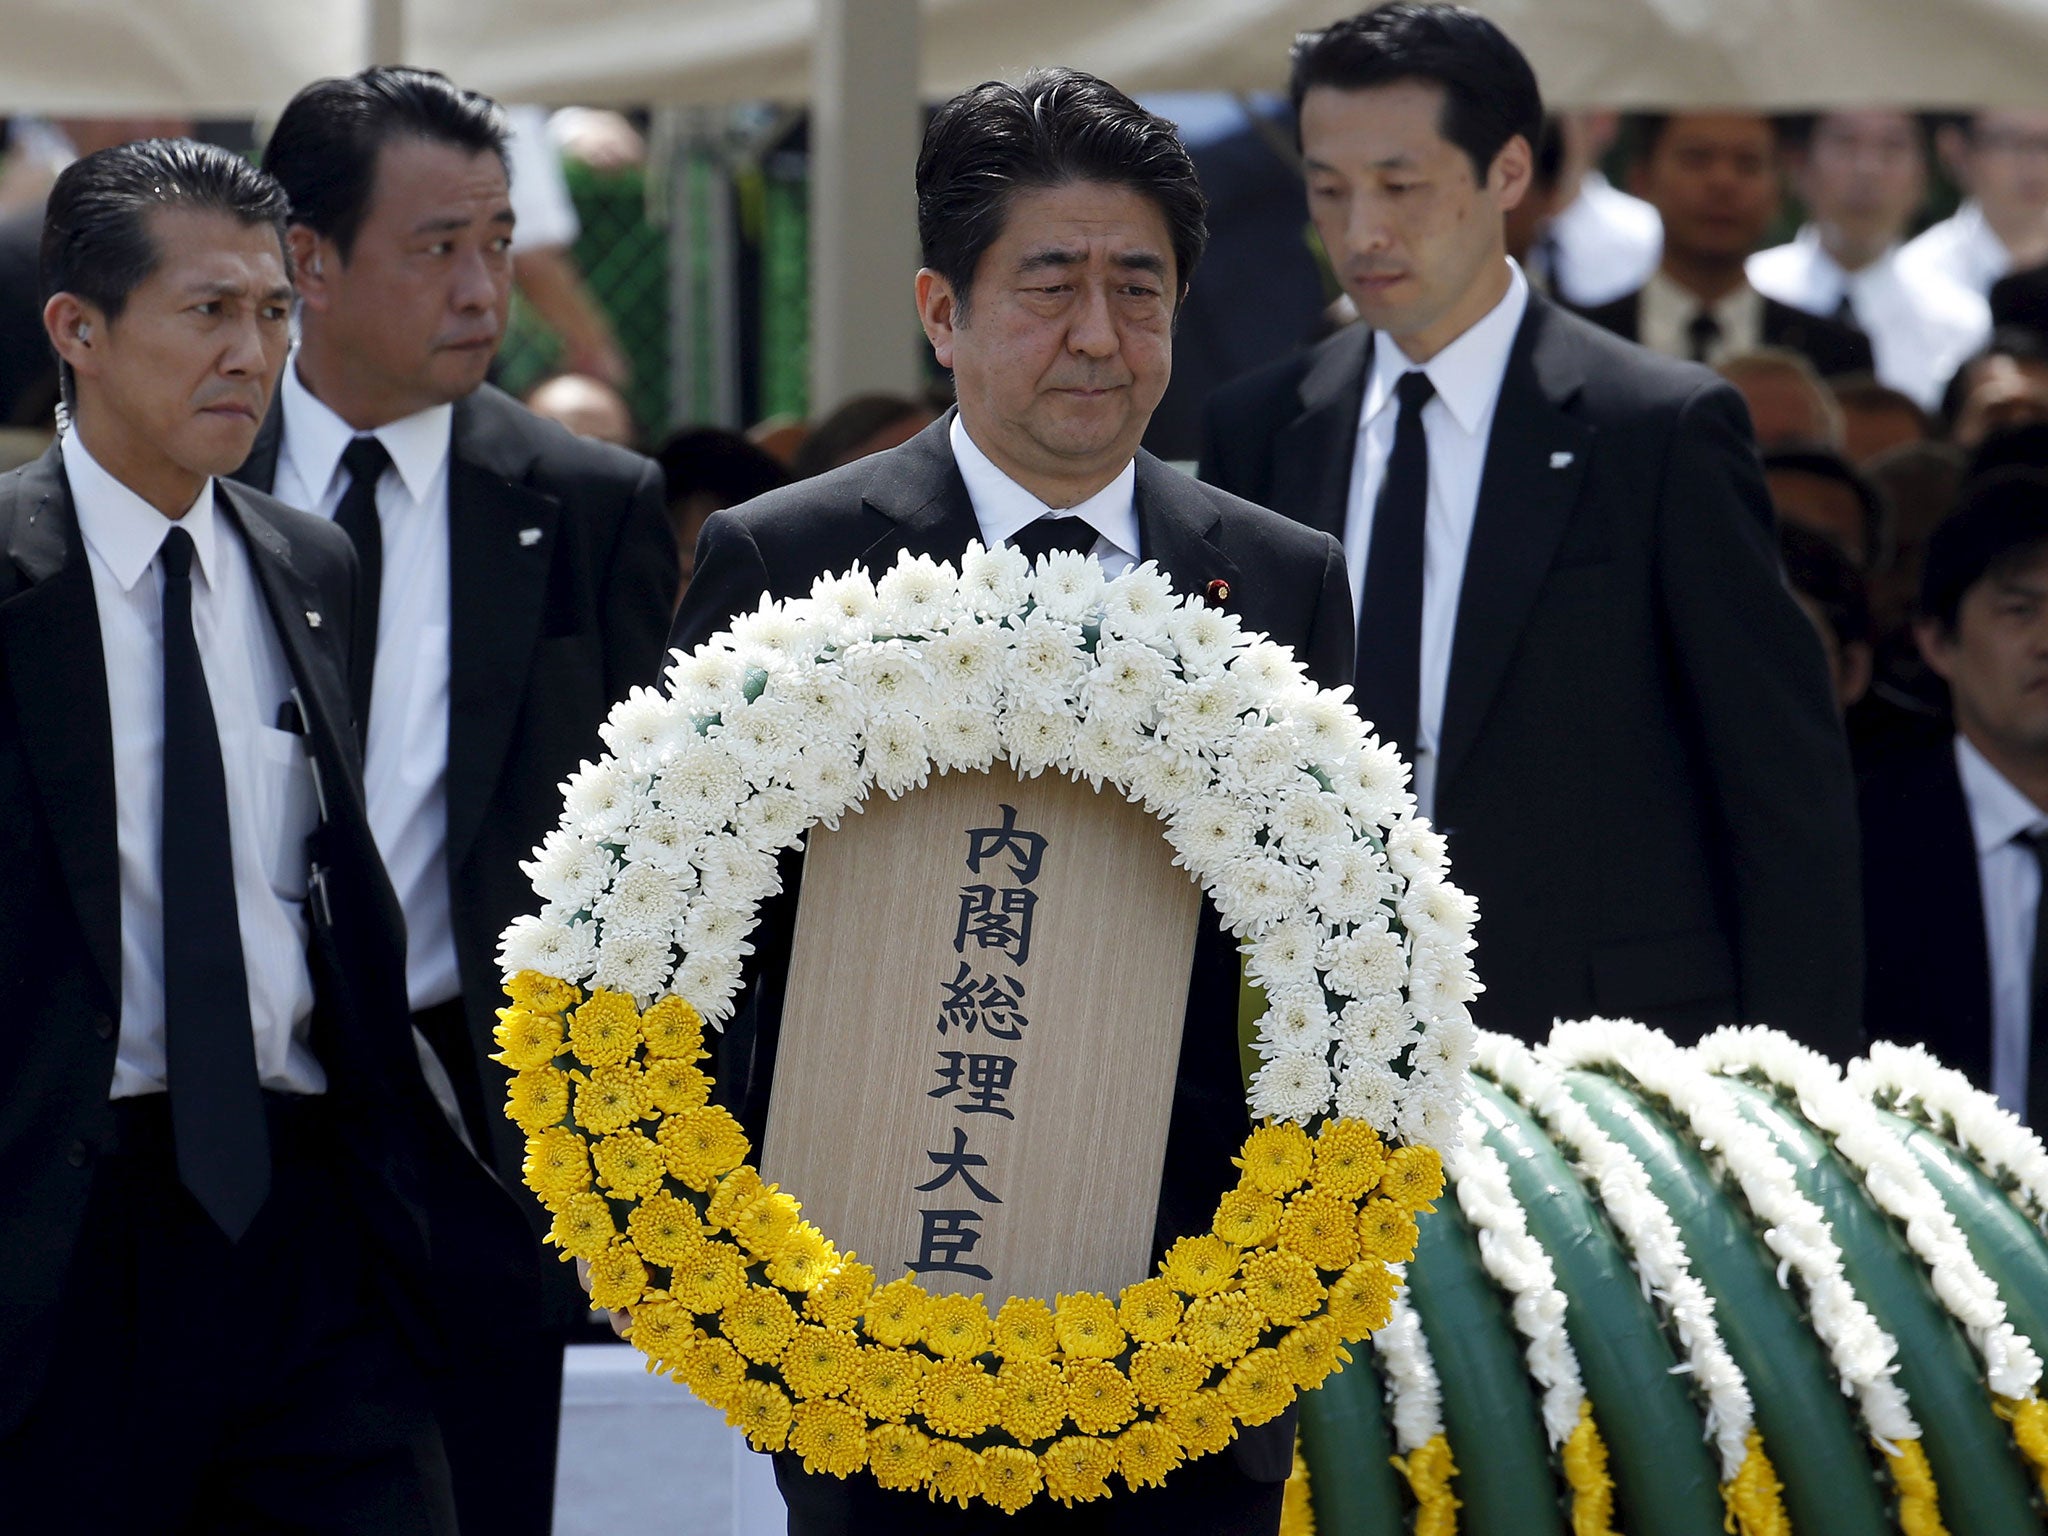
x=981 y=1033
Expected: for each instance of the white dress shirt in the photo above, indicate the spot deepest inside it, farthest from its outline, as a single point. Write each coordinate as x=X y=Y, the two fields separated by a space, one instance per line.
x=271 y=807
x=1003 y=507
x=1458 y=422
x=1664 y=320
x=1920 y=328
x=1607 y=244
x=1963 y=248
x=405 y=763
x=2009 y=876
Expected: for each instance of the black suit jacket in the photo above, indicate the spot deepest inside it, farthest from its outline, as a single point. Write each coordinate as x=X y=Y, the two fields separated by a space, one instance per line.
x=562 y=579
x=1641 y=777
x=60 y=918
x=1832 y=348
x=1284 y=580
x=1929 y=966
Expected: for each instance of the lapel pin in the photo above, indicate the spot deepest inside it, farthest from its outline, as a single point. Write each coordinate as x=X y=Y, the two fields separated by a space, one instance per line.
x=1218 y=592
x=1560 y=461
x=528 y=537
x=312 y=618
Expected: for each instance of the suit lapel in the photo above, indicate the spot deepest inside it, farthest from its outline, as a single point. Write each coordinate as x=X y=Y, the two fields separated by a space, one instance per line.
x=1535 y=464
x=1175 y=524
x=51 y=655
x=1953 y=912
x=1313 y=453
x=925 y=501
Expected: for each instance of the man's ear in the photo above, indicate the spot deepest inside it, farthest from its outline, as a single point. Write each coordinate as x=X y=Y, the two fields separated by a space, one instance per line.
x=938 y=309
x=1934 y=643
x=310 y=256
x=1512 y=171
x=78 y=331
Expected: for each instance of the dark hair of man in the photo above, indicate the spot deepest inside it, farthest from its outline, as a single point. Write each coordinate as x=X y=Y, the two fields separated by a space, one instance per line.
x=2017 y=342
x=720 y=463
x=1643 y=131
x=1862 y=392
x=1053 y=128
x=851 y=423
x=1825 y=464
x=324 y=148
x=2000 y=527
x=2024 y=445
x=1490 y=92
x=1821 y=573
x=97 y=244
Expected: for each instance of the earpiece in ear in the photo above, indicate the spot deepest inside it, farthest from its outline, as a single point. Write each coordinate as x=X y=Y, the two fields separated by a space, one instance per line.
x=84 y=331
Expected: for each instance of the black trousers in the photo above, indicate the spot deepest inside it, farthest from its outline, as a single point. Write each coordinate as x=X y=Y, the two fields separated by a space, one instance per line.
x=203 y=1386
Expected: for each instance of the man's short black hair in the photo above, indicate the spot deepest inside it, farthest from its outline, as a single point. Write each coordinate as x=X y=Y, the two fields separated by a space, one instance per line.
x=2000 y=526
x=1053 y=128
x=1490 y=92
x=1821 y=573
x=324 y=148
x=1824 y=463
x=2017 y=342
x=1643 y=131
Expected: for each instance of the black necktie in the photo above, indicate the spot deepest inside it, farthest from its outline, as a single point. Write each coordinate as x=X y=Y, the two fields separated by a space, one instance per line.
x=217 y=1118
x=1388 y=685
x=1051 y=532
x=1704 y=333
x=365 y=459
x=2036 y=1111
x=1845 y=313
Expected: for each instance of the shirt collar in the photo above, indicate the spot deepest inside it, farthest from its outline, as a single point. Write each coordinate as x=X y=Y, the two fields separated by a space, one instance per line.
x=1999 y=813
x=1738 y=312
x=124 y=530
x=316 y=438
x=1002 y=506
x=1467 y=373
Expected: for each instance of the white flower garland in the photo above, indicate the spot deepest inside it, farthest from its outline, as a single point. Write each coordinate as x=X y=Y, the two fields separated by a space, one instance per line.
x=1297 y=824
x=1896 y=1185
x=1415 y=1395
x=1909 y=1080
x=1644 y=1223
x=1794 y=1228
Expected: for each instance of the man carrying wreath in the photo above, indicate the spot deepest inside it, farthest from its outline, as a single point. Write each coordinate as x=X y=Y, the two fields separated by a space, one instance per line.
x=1060 y=225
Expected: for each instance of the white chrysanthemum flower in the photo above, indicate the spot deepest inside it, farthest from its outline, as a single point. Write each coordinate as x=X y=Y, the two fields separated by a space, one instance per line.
x=994 y=582
x=1309 y=823
x=1369 y=1091
x=659 y=838
x=1137 y=604
x=1296 y=1020
x=1433 y=1120
x=700 y=785
x=599 y=799
x=963 y=738
x=1440 y=984
x=1262 y=761
x=1352 y=883
x=762 y=737
x=1203 y=716
x=830 y=782
x=1047 y=658
x=1103 y=748
x=891 y=675
x=569 y=869
x=918 y=595
x=1328 y=728
x=1254 y=892
x=968 y=662
x=1415 y=848
x=735 y=873
x=708 y=983
x=1272 y=672
x=717 y=930
x=1036 y=738
x=897 y=753
x=1286 y=957
x=1067 y=585
x=566 y=950
x=774 y=630
x=1213 y=830
x=1293 y=1086
x=638 y=728
x=1164 y=778
x=828 y=705
x=707 y=680
x=1437 y=913
x=1377 y=1028
x=773 y=819
x=1207 y=639
x=1373 y=784
x=1365 y=964
x=643 y=899
x=1446 y=1048
x=846 y=605
x=1126 y=683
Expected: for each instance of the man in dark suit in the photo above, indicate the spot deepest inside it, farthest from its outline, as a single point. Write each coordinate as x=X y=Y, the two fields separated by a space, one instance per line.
x=1714 y=179
x=1059 y=223
x=222 y=1154
x=520 y=580
x=1955 y=835
x=1571 y=614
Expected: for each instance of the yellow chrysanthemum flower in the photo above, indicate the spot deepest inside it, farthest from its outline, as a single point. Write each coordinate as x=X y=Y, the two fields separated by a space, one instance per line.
x=762 y=1413
x=895 y=1314
x=1258 y=1388
x=1387 y=1231
x=526 y=1039
x=1145 y=1453
x=629 y=1165
x=583 y=1226
x=1223 y=1327
x=763 y=1224
x=1311 y=1352
x=1282 y=1285
x=714 y=1370
x=820 y=1362
x=705 y=1275
x=1085 y=1325
x=609 y=1099
x=957 y=1327
x=740 y=1187
x=537 y=1098
x=1165 y=1374
x=958 y=1398
x=701 y=1144
x=673 y=1028
x=955 y=1472
x=1099 y=1397
x=1010 y=1477
x=617 y=1277
x=1202 y=1422
x=1414 y=1176
x=662 y=1330
x=802 y=1260
x=1362 y=1300
x=543 y=994
x=674 y=1086
x=899 y=1456
x=557 y=1165
x=831 y=1437
x=1034 y=1398
x=1025 y=1329
x=838 y=1297
x=1321 y=1229
x=1149 y=1310
x=664 y=1227
x=886 y=1381
x=1077 y=1468
x=1277 y=1158
x=604 y=1031
x=1199 y=1266
x=1349 y=1159
x=760 y=1322
x=1247 y=1218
